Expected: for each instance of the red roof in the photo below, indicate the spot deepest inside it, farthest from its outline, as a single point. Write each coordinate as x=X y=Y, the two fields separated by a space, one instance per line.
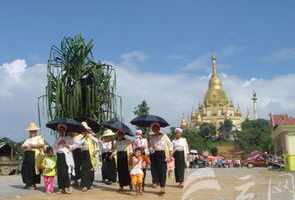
x=277 y=120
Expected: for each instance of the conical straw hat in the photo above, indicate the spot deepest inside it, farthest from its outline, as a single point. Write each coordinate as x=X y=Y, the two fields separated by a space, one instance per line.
x=33 y=127
x=108 y=133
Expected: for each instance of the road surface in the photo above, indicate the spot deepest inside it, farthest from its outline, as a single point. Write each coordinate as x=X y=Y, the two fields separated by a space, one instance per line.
x=201 y=184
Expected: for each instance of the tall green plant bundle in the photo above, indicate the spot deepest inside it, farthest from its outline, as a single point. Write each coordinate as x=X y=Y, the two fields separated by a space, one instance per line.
x=78 y=86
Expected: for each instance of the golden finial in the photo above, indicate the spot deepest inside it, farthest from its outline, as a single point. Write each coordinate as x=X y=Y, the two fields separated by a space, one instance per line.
x=213 y=59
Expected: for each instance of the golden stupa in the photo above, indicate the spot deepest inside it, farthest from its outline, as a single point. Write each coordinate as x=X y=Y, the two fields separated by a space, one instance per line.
x=216 y=106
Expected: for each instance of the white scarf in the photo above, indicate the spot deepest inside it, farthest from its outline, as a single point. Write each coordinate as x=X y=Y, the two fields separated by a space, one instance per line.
x=69 y=160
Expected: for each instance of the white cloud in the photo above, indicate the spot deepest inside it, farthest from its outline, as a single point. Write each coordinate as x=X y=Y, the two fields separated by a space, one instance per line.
x=169 y=95
x=131 y=59
x=20 y=87
x=11 y=74
x=281 y=55
x=15 y=69
x=203 y=61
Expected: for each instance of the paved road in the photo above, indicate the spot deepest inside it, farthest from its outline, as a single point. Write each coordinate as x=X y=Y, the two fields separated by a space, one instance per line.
x=239 y=184
x=207 y=184
x=11 y=186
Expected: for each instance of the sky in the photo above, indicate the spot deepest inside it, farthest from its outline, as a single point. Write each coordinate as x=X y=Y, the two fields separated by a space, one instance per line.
x=161 y=50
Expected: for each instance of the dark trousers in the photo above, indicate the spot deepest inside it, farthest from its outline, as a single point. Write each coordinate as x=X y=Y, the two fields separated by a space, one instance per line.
x=123 y=169
x=160 y=167
x=152 y=158
x=63 y=177
x=28 y=171
x=108 y=169
x=179 y=160
x=87 y=171
x=144 y=175
x=77 y=161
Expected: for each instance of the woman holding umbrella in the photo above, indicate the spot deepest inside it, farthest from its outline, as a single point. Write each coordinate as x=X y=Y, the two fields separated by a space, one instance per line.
x=108 y=169
x=122 y=149
x=65 y=163
x=77 y=158
x=88 y=157
x=180 y=153
x=33 y=150
x=162 y=148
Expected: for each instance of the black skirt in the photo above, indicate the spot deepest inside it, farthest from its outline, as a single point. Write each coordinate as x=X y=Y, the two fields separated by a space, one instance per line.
x=160 y=167
x=87 y=170
x=77 y=161
x=28 y=171
x=154 y=179
x=123 y=170
x=63 y=177
x=179 y=160
x=108 y=169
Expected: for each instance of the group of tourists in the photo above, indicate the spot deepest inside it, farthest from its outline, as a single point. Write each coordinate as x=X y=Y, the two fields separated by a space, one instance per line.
x=74 y=158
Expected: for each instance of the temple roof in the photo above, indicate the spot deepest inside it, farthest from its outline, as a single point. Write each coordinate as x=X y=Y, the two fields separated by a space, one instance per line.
x=277 y=120
x=215 y=94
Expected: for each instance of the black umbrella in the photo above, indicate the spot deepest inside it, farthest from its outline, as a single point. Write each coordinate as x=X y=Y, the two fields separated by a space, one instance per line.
x=91 y=123
x=116 y=125
x=148 y=120
x=72 y=125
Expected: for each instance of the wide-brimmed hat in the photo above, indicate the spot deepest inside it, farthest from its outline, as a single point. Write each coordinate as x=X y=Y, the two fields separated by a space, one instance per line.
x=108 y=133
x=33 y=127
x=86 y=126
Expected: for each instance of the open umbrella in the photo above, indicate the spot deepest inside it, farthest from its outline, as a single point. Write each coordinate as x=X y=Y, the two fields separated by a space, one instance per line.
x=116 y=125
x=148 y=120
x=91 y=123
x=72 y=125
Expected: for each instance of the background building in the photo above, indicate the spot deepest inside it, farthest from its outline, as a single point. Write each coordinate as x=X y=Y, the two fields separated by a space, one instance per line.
x=283 y=135
x=216 y=106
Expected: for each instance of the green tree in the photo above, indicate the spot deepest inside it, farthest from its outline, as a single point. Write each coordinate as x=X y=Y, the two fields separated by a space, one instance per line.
x=226 y=128
x=255 y=135
x=78 y=86
x=207 y=130
x=142 y=109
x=195 y=139
x=214 y=151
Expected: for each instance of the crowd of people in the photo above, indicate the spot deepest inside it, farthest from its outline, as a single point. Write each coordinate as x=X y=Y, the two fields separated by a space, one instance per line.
x=74 y=158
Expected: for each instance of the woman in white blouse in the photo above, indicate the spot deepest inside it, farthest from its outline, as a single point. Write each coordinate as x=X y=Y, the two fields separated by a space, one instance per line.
x=180 y=152
x=88 y=157
x=108 y=169
x=122 y=149
x=63 y=148
x=33 y=150
x=161 y=151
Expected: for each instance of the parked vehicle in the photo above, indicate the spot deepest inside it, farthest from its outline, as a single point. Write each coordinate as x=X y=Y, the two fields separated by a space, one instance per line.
x=256 y=159
x=275 y=162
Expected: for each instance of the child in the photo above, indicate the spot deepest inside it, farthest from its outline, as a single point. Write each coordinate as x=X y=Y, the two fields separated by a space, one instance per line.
x=146 y=162
x=170 y=166
x=49 y=169
x=137 y=164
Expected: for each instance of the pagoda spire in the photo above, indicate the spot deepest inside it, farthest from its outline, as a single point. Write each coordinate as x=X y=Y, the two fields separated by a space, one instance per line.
x=214 y=70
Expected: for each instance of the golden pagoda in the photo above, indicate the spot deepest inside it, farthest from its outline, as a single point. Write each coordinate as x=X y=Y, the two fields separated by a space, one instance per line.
x=216 y=106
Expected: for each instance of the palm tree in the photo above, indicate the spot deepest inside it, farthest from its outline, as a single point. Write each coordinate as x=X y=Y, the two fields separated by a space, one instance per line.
x=78 y=86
